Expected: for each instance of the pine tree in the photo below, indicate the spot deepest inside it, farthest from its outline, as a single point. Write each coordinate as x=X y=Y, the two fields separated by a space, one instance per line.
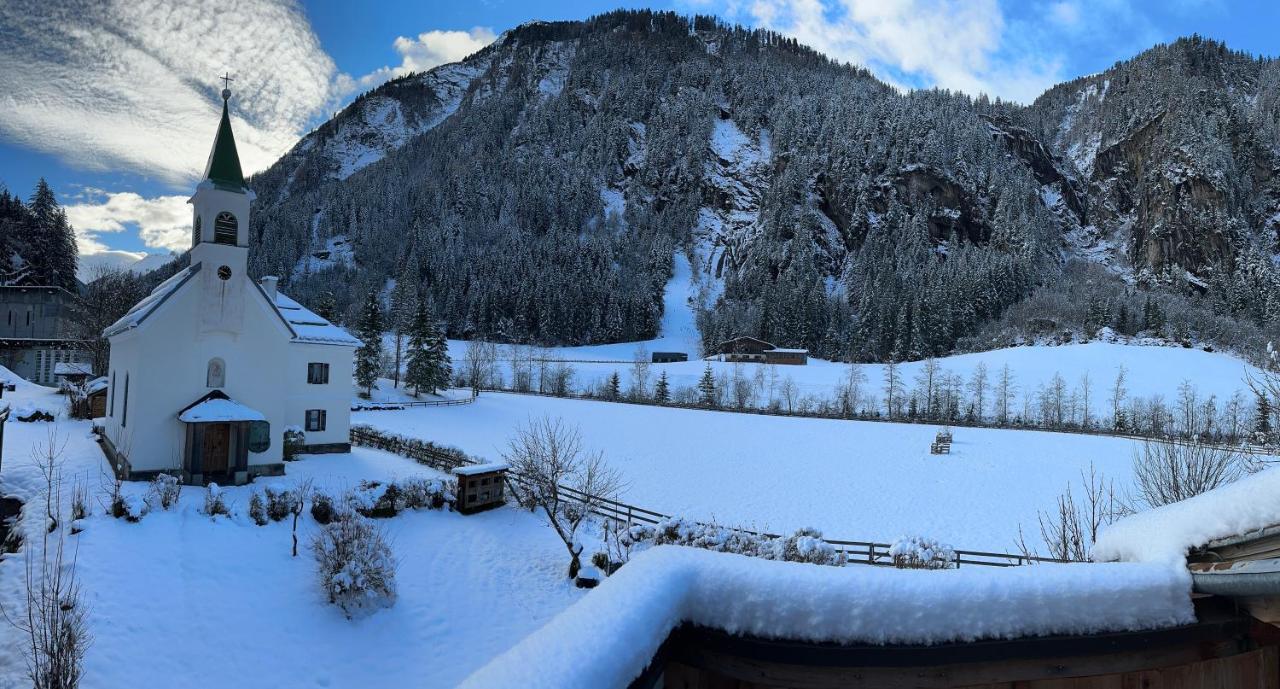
x=1262 y=420
x=48 y=241
x=420 y=372
x=369 y=356
x=613 y=388
x=662 y=391
x=442 y=365
x=707 y=388
x=404 y=306
x=327 y=306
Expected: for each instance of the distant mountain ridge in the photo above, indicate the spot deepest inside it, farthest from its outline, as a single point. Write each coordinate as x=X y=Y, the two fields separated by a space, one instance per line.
x=537 y=190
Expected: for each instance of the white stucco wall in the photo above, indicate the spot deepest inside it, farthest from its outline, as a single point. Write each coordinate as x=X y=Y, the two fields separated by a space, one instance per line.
x=166 y=359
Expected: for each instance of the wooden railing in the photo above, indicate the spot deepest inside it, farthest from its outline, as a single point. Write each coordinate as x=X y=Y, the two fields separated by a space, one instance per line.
x=392 y=406
x=621 y=513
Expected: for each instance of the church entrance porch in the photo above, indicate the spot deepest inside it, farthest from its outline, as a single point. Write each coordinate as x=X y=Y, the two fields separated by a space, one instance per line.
x=218 y=439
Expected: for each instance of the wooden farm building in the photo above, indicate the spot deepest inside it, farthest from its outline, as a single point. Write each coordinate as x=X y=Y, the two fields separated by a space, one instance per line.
x=753 y=350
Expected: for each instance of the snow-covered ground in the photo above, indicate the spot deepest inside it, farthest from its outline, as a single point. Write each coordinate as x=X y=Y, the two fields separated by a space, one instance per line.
x=853 y=480
x=180 y=599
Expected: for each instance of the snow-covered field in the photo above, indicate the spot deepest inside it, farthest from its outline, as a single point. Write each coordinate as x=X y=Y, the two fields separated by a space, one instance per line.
x=853 y=480
x=180 y=599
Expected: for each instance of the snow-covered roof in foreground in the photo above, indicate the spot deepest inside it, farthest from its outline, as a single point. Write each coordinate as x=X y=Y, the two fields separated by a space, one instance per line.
x=309 y=326
x=1167 y=533
x=142 y=309
x=72 y=368
x=608 y=637
x=473 y=469
x=96 y=385
x=217 y=410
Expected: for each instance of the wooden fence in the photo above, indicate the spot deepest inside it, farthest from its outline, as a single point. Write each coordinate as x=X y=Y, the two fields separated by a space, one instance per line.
x=623 y=514
x=392 y=406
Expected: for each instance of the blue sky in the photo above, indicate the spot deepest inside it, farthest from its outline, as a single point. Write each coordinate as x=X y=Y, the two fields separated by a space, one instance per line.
x=120 y=120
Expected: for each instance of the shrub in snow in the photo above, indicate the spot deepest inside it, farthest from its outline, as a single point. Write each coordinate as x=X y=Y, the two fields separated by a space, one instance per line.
x=280 y=503
x=355 y=565
x=164 y=491
x=294 y=439
x=914 y=552
x=258 y=509
x=426 y=493
x=805 y=545
x=79 y=501
x=130 y=508
x=376 y=499
x=214 y=502
x=322 y=508
x=601 y=561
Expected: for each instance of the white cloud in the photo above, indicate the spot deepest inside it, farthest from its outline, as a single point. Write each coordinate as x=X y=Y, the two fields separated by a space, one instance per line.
x=163 y=222
x=953 y=44
x=1065 y=13
x=425 y=51
x=131 y=84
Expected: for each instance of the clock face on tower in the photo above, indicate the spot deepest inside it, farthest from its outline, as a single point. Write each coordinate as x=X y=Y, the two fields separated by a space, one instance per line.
x=224 y=272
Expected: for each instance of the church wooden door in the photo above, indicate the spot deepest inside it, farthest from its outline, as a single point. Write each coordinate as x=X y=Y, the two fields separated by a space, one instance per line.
x=217 y=446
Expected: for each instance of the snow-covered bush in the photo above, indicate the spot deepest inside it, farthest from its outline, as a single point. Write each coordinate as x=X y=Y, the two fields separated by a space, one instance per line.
x=258 y=509
x=280 y=503
x=805 y=545
x=294 y=439
x=28 y=413
x=322 y=508
x=79 y=501
x=164 y=491
x=915 y=552
x=215 y=503
x=355 y=564
x=376 y=499
x=426 y=493
x=130 y=507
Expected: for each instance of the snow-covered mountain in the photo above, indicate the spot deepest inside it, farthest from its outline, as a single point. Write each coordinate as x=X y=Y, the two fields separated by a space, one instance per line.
x=537 y=190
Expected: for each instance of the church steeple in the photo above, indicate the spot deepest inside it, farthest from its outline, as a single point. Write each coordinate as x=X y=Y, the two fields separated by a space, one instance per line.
x=220 y=221
x=223 y=168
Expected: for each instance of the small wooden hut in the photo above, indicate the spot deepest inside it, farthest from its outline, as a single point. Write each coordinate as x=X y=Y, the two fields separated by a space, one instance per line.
x=480 y=487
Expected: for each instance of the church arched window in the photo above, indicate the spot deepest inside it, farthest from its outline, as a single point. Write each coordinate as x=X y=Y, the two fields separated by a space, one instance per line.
x=224 y=228
x=216 y=376
x=195 y=231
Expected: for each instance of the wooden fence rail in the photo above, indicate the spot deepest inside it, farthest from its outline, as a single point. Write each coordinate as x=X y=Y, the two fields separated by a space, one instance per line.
x=623 y=514
x=392 y=406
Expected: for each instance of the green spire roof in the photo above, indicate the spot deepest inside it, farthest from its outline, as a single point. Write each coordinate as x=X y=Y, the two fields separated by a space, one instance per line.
x=223 y=168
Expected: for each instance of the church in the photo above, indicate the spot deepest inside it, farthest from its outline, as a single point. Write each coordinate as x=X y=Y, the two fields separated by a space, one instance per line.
x=210 y=370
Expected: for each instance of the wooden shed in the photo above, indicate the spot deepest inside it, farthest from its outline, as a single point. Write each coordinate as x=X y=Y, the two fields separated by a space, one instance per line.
x=480 y=486
x=669 y=357
x=754 y=350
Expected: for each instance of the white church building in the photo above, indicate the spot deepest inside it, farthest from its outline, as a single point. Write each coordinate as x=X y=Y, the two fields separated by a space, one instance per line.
x=209 y=371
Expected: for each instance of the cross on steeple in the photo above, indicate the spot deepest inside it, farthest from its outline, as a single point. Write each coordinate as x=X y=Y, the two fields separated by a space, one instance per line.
x=226 y=85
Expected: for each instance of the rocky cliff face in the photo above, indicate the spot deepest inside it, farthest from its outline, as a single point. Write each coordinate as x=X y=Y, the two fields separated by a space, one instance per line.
x=1178 y=151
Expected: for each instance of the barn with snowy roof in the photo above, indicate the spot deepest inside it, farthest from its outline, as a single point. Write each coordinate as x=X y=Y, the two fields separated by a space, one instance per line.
x=208 y=371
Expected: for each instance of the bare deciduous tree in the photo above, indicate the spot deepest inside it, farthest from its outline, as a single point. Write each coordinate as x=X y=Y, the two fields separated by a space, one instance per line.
x=1070 y=529
x=1168 y=471
x=554 y=473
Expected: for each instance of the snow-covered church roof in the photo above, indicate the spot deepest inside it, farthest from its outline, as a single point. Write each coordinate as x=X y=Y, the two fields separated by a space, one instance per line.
x=311 y=327
x=305 y=325
x=144 y=308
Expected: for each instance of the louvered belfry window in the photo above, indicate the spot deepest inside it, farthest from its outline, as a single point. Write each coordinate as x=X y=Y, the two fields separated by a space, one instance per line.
x=224 y=228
